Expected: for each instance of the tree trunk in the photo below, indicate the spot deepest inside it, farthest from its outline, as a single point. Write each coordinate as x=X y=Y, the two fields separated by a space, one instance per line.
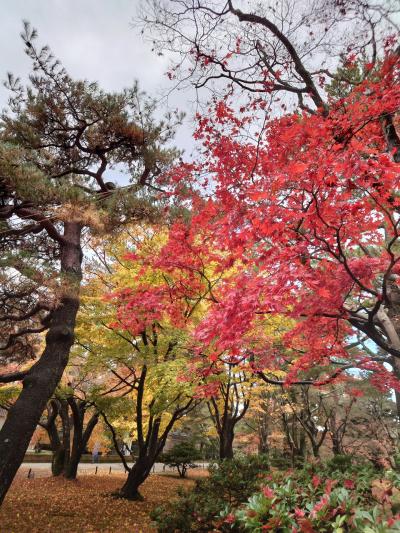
x=79 y=443
x=39 y=385
x=149 y=450
x=226 y=437
x=138 y=474
x=315 y=450
x=57 y=463
x=336 y=445
x=78 y=413
x=396 y=372
x=182 y=470
x=66 y=433
x=296 y=439
x=336 y=433
x=302 y=445
x=263 y=434
x=71 y=469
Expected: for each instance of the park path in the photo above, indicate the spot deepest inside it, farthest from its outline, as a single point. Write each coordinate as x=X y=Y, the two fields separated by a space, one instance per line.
x=33 y=470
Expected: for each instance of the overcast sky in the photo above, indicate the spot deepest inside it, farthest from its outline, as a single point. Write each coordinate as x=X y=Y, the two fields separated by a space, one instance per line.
x=94 y=39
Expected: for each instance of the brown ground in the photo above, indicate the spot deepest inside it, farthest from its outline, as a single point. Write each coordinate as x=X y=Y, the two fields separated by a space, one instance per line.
x=52 y=505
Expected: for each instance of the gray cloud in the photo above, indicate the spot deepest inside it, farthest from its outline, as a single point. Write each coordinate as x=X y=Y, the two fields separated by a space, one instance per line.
x=94 y=39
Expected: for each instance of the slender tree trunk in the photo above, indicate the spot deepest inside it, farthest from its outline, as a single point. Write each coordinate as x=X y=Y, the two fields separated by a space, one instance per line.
x=336 y=446
x=396 y=372
x=263 y=434
x=40 y=383
x=182 y=470
x=302 y=445
x=335 y=434
x=66 y=432
x=78 y=413
x=295 y=438
x=57 y=462
x=393 y=311
x=315 y=449
x=314 y=441
x=79 y=444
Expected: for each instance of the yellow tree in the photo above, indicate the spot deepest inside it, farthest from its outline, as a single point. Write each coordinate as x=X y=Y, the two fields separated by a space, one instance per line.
x=140 y=351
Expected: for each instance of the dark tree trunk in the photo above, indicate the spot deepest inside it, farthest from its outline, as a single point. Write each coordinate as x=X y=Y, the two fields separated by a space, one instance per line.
x=80 y=441
x=336 y=432
x=182 y=469
x=150 y=445
x=336 y=445
x=149 y=449
x=71 y=469
x=393 y=290
x=315 y=450
x=396 y=372
x=58 y=461
x=301 y=450
x=56 y=446
x=226 y=437
x=263 y=434
x=78 y=413
x=41 y=382
x=66 y=433
x=226 y=417
x=263 y=448
x=137 y=475
x=66 y=458
x=295 y=438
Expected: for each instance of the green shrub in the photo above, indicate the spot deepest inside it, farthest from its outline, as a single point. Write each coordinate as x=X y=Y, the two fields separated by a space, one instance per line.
x=230 y=483
x=242 y=496
x=311 y=500
x=182 y=457
x=279 y=459
x=340 y=462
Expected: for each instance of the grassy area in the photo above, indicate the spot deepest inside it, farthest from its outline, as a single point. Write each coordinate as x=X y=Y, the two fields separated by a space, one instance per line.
x=50 y=505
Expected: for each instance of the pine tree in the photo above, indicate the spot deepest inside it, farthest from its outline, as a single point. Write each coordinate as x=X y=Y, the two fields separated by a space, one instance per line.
x=59 y=138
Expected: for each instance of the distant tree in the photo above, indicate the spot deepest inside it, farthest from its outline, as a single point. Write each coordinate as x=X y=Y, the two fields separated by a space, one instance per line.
x=308 y=408
x=69 y=423
x=201 y=432
x=58 y=140
x=228 y=408
x=181 y=457
x=372 y=429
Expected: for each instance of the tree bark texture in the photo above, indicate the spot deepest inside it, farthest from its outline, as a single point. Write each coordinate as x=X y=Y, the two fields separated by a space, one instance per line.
x=42 y=380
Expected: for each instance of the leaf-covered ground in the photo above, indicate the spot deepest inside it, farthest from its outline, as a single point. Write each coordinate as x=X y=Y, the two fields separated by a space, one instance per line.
x=48 y=505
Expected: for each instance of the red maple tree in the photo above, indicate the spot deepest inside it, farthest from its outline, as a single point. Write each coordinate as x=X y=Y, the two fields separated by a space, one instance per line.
x=307 y=219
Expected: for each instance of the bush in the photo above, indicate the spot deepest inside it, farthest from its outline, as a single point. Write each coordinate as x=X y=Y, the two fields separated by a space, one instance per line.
x=310 y=500
x=242 y=496
x=279 y=459
x=230 y=483
x=181 y=457
x=340 y=462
